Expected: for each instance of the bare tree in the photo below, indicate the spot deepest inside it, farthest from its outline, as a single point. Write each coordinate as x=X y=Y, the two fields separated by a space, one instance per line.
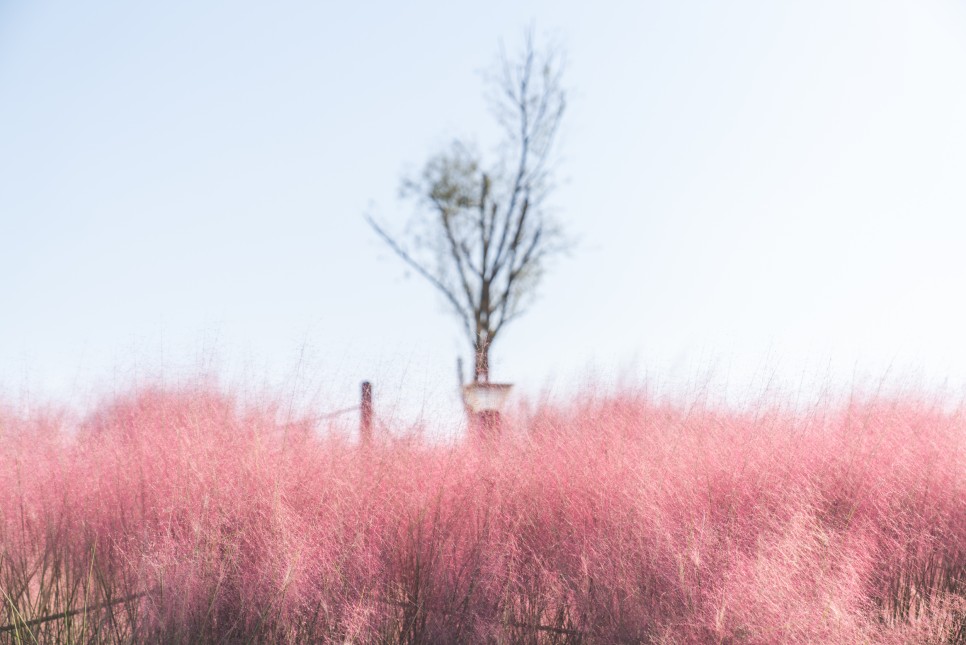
x=482 y=233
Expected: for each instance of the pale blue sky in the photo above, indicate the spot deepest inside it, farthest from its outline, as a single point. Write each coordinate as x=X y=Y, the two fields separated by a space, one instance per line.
x=763 y=190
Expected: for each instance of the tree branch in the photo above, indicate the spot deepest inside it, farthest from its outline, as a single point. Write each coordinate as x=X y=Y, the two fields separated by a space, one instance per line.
x=455 y=249
x=530 y=257
x=518 y=181
x=436 y=282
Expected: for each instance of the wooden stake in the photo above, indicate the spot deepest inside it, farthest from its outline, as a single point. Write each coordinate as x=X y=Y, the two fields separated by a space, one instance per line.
x=365 y=414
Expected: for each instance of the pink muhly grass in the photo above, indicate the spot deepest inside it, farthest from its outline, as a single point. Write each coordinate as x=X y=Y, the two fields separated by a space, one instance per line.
x=615 y=519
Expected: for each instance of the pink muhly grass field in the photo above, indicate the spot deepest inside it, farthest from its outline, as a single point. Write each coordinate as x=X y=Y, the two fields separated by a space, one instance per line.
x=613 y=520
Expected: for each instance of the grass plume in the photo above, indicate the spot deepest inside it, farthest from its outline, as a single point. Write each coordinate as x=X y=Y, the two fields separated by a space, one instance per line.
x=181 y=515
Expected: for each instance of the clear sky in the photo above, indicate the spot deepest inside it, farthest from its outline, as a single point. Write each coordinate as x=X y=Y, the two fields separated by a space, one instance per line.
x=762 y=191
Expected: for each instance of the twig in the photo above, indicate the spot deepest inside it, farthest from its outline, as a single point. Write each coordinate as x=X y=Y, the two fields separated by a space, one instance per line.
x=72 y=612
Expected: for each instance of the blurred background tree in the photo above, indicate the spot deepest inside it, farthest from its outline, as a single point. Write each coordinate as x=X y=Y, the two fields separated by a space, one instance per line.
x=482 y=233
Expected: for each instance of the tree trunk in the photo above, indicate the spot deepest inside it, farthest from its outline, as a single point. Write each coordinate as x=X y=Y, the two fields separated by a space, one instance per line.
x=481 y=369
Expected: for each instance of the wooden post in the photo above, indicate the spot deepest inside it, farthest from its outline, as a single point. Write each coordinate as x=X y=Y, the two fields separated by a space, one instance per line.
x=365 y=414
x=488 y=424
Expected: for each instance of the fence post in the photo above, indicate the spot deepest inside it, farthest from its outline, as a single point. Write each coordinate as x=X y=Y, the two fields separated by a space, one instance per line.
x=365 y=414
